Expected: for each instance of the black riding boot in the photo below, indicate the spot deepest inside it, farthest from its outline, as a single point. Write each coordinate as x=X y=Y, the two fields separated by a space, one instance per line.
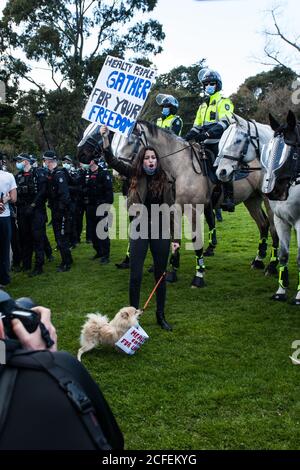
x=228 y=203
x=124 y=264
x=160 y=317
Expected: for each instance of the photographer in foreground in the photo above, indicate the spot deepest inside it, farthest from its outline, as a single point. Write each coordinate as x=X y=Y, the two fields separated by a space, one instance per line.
x=48 y=401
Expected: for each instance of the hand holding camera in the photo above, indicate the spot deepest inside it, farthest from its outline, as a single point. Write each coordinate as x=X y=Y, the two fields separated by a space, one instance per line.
x=28 y=323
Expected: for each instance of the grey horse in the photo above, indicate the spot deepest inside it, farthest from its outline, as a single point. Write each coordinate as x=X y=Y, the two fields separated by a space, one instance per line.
x=281 y=184
x=240 y=151
x=186 y=165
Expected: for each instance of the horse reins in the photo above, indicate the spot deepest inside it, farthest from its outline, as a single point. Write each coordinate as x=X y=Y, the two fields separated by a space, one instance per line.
x=194 y=154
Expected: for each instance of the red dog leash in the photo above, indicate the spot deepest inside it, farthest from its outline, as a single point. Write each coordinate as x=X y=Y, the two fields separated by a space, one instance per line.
x=153 y=291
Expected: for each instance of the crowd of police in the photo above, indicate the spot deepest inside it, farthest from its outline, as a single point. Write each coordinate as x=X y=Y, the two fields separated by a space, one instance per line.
x=69 y=193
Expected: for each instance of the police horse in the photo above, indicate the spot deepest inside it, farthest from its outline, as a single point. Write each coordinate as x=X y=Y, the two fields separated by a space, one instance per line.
x=281 y=184
x=186 y=164
x=240 y=150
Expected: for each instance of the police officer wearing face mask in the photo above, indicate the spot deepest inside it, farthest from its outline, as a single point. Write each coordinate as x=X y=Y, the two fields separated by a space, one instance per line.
x=211 y=121
x=59 y=202
x=169 y=118
x=73 y=182
x=31 y=212
x=97 y=188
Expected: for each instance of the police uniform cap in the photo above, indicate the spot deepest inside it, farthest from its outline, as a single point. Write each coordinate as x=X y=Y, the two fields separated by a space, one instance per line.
x=67 y=158
x=2 y=156
x=50 y=155
x=21 y=157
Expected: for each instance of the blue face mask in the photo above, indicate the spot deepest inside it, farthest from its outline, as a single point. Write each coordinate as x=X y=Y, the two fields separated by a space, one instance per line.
x=210 y=89
x=67 y=166
x=165 y=111
x=20 y=166
x=85 y=166
x=149 y=171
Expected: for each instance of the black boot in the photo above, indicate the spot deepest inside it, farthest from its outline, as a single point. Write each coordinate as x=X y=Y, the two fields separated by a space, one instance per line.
x=160 y=317
x=124 y=264
x=62 y=268
x=36 y=272
x=228 y=203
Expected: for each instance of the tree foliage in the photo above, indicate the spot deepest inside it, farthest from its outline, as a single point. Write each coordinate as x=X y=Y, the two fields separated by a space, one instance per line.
x=276 y=39
x=73 y=38
x=69 y=35
x=10 y=129
x=266 y=92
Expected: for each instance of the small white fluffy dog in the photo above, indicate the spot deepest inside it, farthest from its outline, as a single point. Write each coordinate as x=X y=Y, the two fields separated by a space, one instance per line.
x=99 y=330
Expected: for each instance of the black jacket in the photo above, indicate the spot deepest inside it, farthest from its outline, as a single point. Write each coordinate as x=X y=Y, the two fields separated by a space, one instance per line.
x=41 y=416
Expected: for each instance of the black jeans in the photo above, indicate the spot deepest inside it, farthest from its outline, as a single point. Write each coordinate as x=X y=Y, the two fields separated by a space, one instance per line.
x=5 y=236
x=32 y=234
x=138 y=250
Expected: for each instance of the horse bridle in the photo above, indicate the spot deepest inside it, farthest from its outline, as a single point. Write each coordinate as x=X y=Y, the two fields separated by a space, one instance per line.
x=291 y=142
x=142 y=139
x=250 y=139
x=295 y=179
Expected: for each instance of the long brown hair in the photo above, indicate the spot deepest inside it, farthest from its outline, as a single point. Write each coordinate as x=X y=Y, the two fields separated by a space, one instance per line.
x=158 y=180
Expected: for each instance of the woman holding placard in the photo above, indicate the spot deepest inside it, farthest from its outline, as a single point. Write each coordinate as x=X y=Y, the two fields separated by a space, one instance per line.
x=149 y=189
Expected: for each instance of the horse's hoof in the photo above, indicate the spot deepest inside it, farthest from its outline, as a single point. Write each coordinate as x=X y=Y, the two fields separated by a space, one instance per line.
x=171 y=276
x=295 y=302
x=257 y=264
x=209 y=251
x=271 y=270
x=279 y=297
x=197 y=282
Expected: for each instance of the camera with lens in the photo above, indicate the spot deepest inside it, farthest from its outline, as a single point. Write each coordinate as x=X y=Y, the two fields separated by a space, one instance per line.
x=21 y=310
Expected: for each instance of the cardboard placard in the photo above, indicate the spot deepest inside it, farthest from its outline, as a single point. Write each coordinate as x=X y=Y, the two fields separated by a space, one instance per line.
x=132 y=340
x=119 y=95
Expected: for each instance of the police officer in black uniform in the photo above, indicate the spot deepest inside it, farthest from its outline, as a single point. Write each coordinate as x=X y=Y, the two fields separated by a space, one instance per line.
x=97 y=190
x=31 y=212
x=74 y=189
x=60 y=204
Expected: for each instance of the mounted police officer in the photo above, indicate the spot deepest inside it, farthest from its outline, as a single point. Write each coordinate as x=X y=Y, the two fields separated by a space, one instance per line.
x=97 y=189
x=169 y=118
x=211 y=121
x=60 y=203
x=31 y=212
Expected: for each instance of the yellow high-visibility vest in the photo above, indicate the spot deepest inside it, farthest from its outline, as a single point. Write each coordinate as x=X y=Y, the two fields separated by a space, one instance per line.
x=217 y=109
x=168 y=121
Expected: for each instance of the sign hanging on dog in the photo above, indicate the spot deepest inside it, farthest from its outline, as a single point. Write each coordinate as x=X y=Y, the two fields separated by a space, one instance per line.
x=132 y=340
x=119 y=95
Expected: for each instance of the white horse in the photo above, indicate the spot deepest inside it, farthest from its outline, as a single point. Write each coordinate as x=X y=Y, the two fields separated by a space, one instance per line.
x=239 y=151
x=281 y=160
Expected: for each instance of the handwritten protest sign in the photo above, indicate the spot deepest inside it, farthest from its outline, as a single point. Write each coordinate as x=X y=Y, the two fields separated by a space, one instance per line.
x=119 y=95
x=132 y=340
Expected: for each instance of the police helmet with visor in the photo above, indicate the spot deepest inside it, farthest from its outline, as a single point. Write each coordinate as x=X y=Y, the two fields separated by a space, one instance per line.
x=210 y=77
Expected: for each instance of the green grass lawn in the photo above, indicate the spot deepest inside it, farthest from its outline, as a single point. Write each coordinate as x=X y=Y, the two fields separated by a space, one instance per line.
x=222 y=379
